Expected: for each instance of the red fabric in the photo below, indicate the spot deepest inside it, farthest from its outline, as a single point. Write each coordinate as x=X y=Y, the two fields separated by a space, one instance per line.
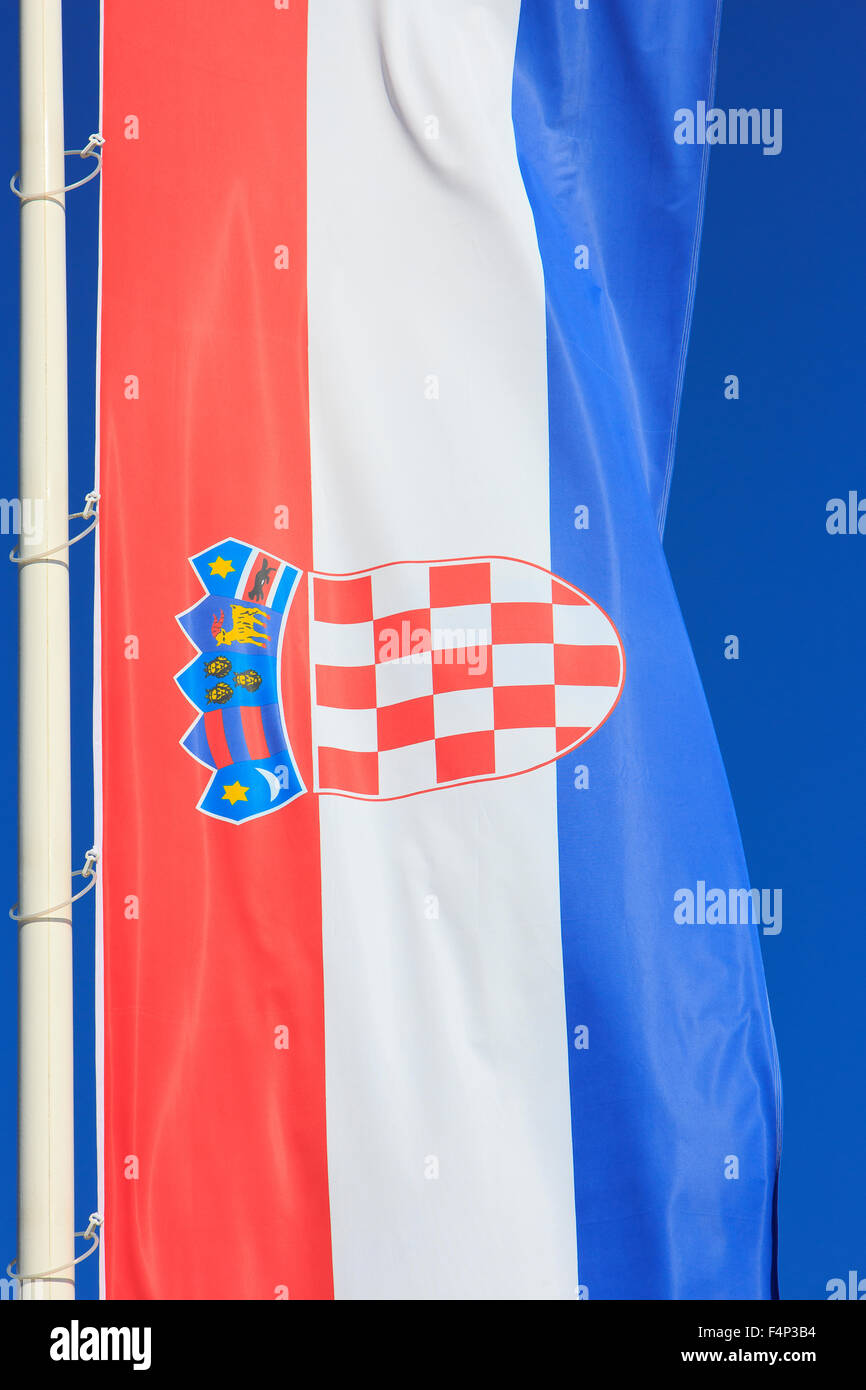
x=254 y=731
x=231 y=1197
x=453 y=585
x=347 y=771
x=524 y=707
x=462 y=668
x=346 y=687
x=563 y=594
x=402 y=634
x=575 y=665
x=566 y=737
x=465 y=755
x=522 y=622
x=343 y=600
x=216 y=738
x=410 y=721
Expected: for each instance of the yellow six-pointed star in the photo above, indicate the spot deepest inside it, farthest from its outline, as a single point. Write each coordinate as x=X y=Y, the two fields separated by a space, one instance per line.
x=221 y=567
x=234 y=792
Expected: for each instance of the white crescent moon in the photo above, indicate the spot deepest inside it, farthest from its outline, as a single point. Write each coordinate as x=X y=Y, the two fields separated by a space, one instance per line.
x=272 y=781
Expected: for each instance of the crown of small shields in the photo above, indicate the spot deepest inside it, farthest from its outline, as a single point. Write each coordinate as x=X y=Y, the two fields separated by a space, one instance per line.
x=422 y=676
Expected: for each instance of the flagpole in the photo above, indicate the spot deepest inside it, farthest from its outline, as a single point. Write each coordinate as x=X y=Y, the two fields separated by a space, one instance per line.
x=45 y=1120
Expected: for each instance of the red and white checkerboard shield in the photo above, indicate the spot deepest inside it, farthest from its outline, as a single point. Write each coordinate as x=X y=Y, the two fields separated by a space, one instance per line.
x=428 y=675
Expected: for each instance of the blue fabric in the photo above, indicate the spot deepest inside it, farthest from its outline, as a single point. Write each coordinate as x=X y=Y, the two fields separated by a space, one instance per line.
x=679 y=1078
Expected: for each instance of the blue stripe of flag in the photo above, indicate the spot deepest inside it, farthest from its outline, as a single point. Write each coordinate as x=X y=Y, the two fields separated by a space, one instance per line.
x=670 y=1046
x=273 y=726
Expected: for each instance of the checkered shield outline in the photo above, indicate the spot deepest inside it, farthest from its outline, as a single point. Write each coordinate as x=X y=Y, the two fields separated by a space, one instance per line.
x=424 y=675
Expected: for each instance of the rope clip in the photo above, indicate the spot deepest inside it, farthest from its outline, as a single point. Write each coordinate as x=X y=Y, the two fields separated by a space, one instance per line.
x=92 y=142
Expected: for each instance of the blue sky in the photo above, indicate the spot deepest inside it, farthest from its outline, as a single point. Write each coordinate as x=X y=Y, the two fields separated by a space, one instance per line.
x=780 y=302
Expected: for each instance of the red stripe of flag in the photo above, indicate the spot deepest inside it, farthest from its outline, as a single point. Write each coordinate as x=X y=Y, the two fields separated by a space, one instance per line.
x=194 y=1085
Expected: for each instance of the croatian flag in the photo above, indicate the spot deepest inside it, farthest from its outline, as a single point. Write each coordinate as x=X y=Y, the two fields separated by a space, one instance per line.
x=403 y=760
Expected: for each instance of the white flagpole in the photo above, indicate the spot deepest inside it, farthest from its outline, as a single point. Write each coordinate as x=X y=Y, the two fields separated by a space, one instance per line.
x=45 y=1128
